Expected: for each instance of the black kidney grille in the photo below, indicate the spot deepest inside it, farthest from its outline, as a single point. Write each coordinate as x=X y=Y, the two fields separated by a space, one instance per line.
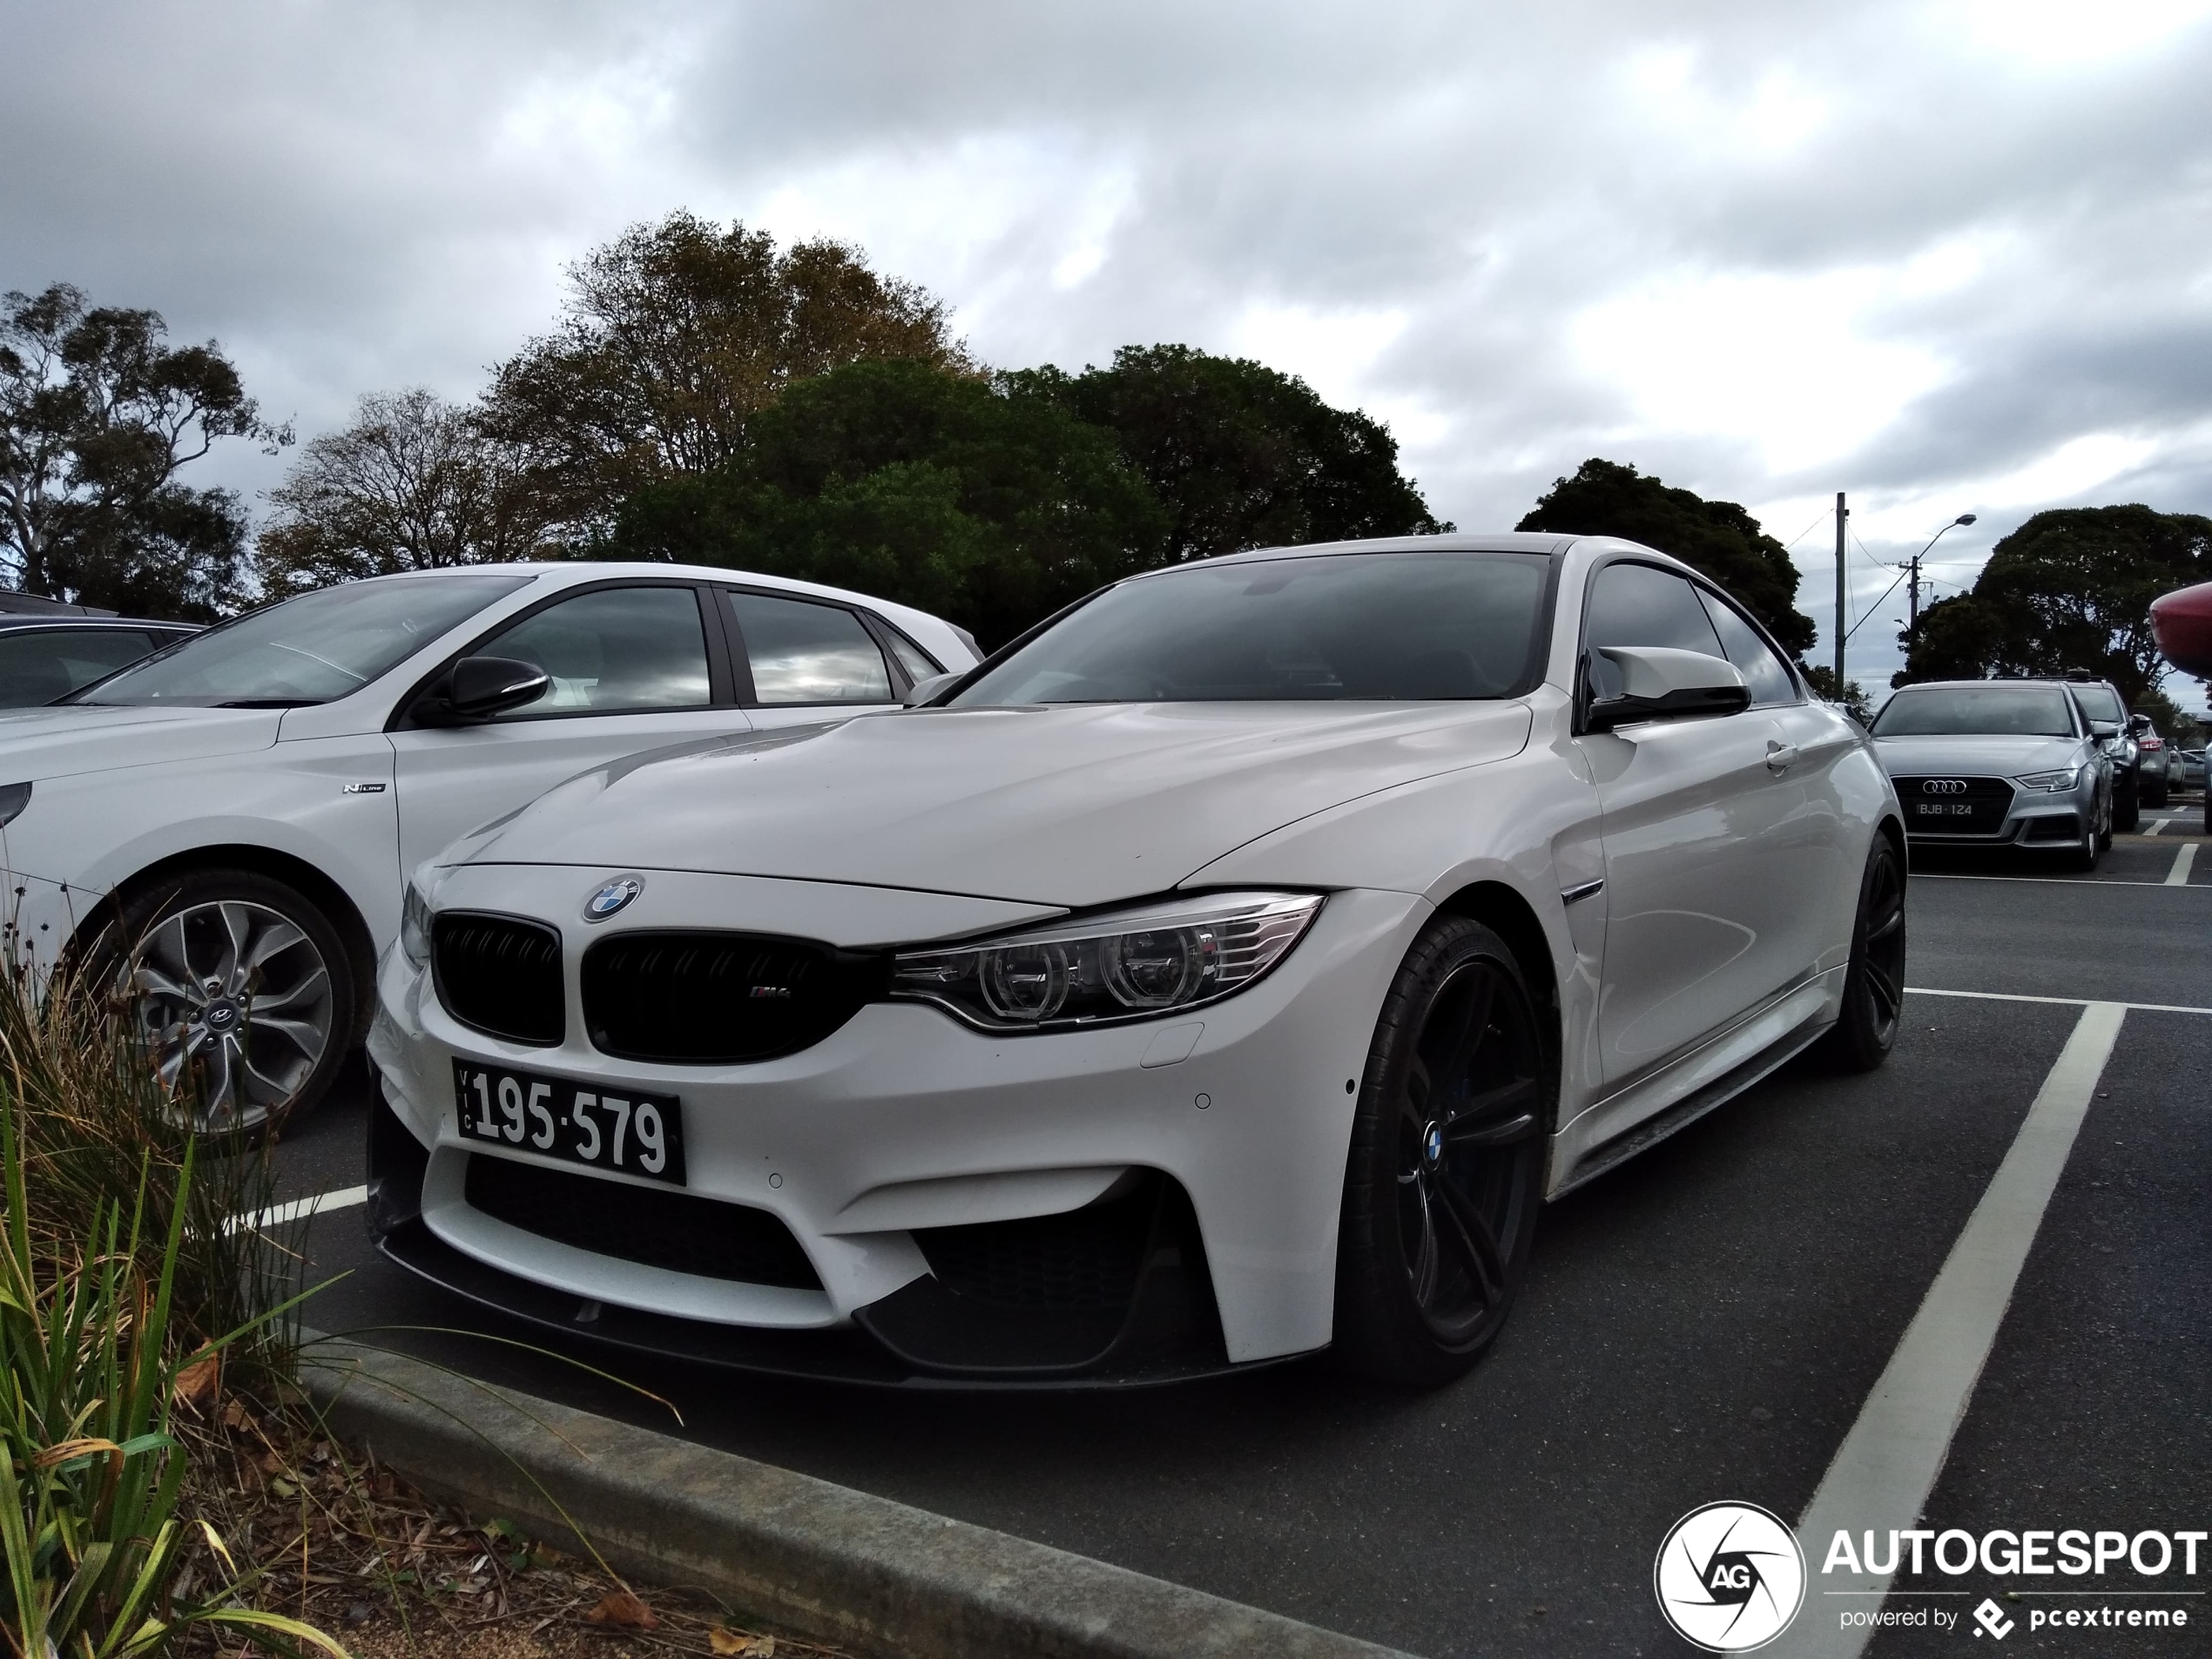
x=655 y=1226
x=705 y=998
x=499 y=975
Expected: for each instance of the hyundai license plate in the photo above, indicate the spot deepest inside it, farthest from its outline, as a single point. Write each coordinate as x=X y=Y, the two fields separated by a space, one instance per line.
x=638 y=1134
x=1943 y=808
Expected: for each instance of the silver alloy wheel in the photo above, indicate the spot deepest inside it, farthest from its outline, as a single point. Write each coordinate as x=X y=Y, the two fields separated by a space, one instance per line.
x=235 y=1000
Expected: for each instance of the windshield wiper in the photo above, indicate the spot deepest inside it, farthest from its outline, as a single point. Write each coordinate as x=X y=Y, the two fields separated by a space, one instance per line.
x=270 y=703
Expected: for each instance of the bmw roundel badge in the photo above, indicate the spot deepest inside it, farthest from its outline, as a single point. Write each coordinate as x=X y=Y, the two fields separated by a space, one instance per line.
x=613 y=897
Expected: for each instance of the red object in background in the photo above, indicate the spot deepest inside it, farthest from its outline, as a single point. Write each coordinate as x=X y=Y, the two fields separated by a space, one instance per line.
x=2181 y=621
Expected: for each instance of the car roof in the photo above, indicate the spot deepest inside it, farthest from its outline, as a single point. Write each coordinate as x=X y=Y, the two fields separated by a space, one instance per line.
x=1950 y=685
x=16 y=619
x=1454 y=542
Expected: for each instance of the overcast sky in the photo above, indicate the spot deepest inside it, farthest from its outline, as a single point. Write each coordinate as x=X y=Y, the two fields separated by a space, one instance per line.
x=1948 y=256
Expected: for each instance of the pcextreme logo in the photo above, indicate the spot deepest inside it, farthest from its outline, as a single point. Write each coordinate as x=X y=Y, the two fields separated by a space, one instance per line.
x=1730 y=1577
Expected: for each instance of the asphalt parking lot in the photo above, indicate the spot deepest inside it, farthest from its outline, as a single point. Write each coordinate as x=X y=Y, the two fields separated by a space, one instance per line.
x=1707 y=1323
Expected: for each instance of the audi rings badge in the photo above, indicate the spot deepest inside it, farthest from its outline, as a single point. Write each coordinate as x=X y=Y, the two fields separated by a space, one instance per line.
x=1943 y=786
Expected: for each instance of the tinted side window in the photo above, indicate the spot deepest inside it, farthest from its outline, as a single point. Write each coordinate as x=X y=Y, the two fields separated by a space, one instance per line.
x=36 y=665
x=1638 y=604
x=618 y=651
x=803 y=652
x=1763 y=671
x=919 y=664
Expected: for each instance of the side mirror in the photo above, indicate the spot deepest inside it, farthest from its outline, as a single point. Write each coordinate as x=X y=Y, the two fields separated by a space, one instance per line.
x=1659 y=683
x=922 y=691
x=479 y=687
x=2104 y=729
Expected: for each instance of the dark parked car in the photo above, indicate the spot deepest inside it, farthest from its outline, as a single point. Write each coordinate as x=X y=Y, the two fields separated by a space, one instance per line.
x=2107 y=712
x=49 y=649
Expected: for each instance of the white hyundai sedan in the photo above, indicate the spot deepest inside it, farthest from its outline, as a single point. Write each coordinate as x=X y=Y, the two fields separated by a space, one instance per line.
x=1222 y=972
x=221 y=831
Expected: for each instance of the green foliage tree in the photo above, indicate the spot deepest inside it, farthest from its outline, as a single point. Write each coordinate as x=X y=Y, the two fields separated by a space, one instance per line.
x=1608 y=498
x=2070 y=588
x=413 y=483
x=910 y=481
x=1242 y=455
x=674 y=338
x=98 y=415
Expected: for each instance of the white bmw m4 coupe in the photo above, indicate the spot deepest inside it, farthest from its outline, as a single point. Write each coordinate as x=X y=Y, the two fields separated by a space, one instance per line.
x=1224 y=971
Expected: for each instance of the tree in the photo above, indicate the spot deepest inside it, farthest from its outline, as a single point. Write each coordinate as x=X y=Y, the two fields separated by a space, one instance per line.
x=413 y=483
x=1241 y=454
x=97 y=417
x=2069 y=589
x=1718 y=537
x=915 y=483
x=674 y=339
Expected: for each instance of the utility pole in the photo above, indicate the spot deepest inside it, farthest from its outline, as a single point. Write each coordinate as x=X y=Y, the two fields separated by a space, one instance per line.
x=1912 y=595
x=1843 y=624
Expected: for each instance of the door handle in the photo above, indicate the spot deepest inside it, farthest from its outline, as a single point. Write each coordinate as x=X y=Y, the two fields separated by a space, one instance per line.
x=1780 y=756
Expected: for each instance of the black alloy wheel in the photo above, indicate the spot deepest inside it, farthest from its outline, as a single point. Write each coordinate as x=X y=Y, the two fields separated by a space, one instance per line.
x=1867 y=1027
x=1446 y=1171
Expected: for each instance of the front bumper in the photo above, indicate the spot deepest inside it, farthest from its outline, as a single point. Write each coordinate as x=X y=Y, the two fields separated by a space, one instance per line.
x=2036 y=819
x=892 y=1149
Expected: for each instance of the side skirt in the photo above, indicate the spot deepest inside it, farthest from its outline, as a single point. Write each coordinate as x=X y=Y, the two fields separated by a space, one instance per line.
x=1687 y=1110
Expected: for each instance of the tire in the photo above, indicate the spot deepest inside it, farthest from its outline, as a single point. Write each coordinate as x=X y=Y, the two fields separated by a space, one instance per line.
x=253 y=976
x=1866 y=1029
x=2126 y=810
x=2153 y=792
x=1445 y=1174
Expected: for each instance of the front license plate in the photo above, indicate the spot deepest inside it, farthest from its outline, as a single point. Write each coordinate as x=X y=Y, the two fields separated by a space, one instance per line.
x=638 y=1134
x=1944 y=809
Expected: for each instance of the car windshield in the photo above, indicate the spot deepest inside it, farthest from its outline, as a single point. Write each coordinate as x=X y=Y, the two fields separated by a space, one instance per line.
x=313 y=649
x=1976 y=711
x=1389 y=626
x=2100 y=703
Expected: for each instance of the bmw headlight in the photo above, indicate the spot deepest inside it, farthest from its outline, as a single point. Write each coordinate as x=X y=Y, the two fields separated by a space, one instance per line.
x=1132 y=964
x=414 y=927
x=2055 y=782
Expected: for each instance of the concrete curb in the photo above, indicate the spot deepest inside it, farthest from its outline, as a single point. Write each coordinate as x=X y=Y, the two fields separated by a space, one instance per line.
x=840 y=1566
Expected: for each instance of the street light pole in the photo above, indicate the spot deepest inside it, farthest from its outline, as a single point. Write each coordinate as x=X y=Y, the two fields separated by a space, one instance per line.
x=1912 y=567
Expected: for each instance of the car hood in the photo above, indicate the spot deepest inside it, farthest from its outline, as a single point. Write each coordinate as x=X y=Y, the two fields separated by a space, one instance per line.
x=1071 y=806
x=58 y=743
x=1980 y=756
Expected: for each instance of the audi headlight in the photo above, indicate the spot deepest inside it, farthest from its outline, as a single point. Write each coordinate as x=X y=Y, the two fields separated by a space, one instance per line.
x=414 y=927
x=2055 y=782
x=1131 y=965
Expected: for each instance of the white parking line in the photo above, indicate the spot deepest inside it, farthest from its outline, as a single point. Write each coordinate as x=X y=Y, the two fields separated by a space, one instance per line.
x=300 y=1209
x=2049 y=880
x=1883 y=1471
x=2179 y=875
x=2062 y=1001
x=2156 y=824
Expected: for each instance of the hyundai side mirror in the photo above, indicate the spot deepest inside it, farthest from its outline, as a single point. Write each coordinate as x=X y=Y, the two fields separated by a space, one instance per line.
x=1659 y=682
x=922 y=691
x=476 y=688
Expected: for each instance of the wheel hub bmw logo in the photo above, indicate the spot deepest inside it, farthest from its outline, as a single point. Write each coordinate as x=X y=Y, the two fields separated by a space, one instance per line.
x=613 y=897
x=1432 y=1145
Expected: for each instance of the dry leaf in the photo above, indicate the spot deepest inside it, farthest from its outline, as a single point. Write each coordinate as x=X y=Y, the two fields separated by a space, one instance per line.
x=620 y=1606
x=235 y=1415
x=730 y=1642
x=195 y=1385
